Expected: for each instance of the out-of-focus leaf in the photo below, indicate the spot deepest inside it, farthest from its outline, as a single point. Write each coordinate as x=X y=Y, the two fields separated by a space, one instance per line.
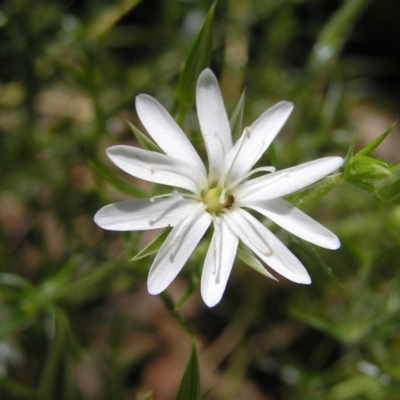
x=368 y=149
x=153 y=246
x=17 y=320
x=317 y=322
x=251 y=260
x=309 y=195
x=148 y=396
x=83 y=287
x=144 y=141
x=120 y=185
x=57 y=378
x=190 y=384
x=334 y=34
x=373 y=370
x=197 y=60
x=237 y=117
x=313 y=254
x=17 y=389
x=388 y=189
x=356 y=387
x=109 y=16
x=206 y=394
x=14 y=280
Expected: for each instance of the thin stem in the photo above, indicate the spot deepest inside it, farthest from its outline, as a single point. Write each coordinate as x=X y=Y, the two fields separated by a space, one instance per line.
x=318 y=191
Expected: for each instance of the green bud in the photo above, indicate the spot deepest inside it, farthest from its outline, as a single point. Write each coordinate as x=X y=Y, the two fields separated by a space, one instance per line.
x=366 y=172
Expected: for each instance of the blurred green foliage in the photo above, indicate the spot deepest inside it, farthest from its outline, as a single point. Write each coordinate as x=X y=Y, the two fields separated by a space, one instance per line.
x=76 y=321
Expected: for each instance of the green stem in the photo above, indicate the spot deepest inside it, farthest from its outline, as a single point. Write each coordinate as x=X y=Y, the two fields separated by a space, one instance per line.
x=321 y=189
x=169 y=304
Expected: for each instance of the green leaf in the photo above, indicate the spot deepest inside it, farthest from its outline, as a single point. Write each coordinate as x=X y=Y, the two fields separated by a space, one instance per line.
x=388 y=189
x=108 y=17
x=350 y=153
x=334 y=34
x=16 y=321
x=189 y=388
x=367 y=150
x=144 y=141
x=153 y=246
x=247 y=256
x=118 y=184
x=317 y=323
x=57 y=380
x=14 y=280
x=237 y=117
x=197 y=60
x=148 y=396
x=313 y=254
x=16 y=389
x=310 y=195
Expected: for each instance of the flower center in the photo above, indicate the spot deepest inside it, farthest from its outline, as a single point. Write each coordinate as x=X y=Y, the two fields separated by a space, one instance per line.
x=212 y=199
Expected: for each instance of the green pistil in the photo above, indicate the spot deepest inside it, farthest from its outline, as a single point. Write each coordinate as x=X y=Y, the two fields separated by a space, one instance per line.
x=211 y=199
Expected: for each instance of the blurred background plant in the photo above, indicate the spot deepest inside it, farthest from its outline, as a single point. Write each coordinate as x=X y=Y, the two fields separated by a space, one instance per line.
x=76 y=321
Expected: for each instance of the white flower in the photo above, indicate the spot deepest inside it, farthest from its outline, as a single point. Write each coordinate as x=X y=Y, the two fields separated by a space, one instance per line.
x=219 y=197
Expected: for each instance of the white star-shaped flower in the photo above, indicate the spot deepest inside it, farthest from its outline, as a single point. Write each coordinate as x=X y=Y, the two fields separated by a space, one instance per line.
x=219 y=197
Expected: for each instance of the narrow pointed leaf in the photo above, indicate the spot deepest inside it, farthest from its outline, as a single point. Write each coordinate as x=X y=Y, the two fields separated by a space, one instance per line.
x=334 y=34
x=206 y=394
x=197 y=60
x=56 y=380
x=237 y=117
x=117 y=183
x=350 y=153
x=190 y=384
x=367 y=150
x=247 y=256
x=143 y=140
x=153 y=246
x=313 y=254
x=148 y=396
x=109 y=16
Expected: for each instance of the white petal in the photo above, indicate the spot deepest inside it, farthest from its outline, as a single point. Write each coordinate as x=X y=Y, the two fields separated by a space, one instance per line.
x=286 y=181
x=166 y=132
x=267 y=246
x=256 y=139
x=296 y=222
x=214 y=122
x=138 y=215
x=219 y=261
x=154 y=167
x=176 y=250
